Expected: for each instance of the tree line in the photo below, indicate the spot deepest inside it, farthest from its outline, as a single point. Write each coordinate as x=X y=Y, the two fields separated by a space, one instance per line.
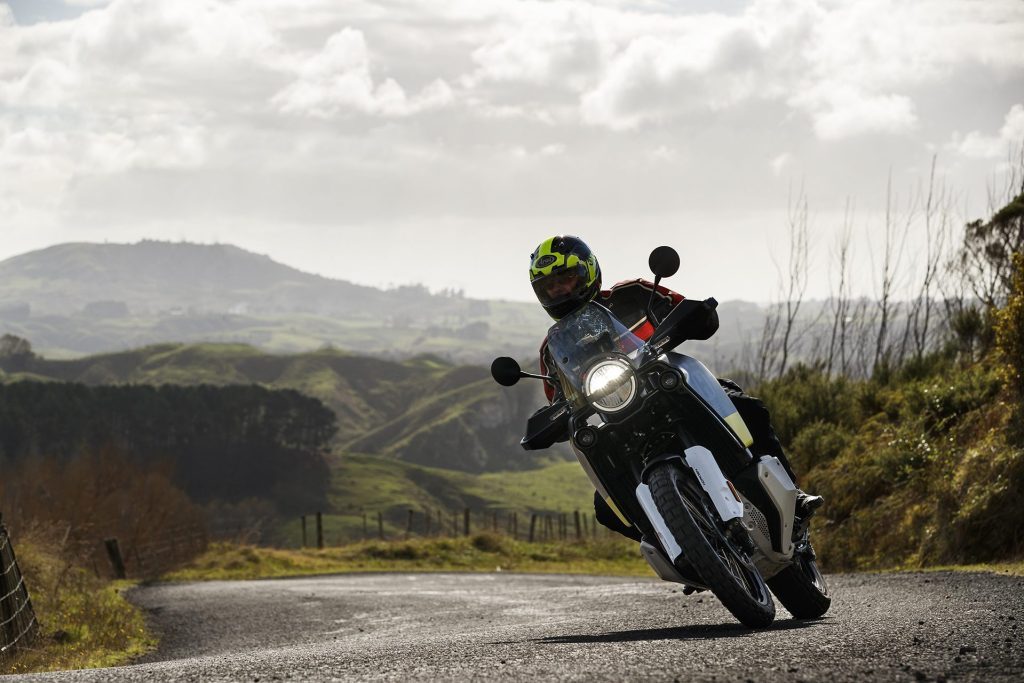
x=226 y=443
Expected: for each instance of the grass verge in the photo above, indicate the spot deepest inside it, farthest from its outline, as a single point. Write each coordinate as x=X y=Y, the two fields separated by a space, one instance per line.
x=85 y=621
x=484 y=552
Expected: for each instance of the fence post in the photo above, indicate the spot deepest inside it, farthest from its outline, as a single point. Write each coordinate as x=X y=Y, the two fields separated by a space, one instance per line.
x=366 y=530
x=319 y=531
x=380 y=525
x=426 y=525
x=304 y=531
x=408 y=526
x=533 y=525
x=579 y=531
x=116 y=561
x=494 y=520
x=515 y=525
x=465 y=515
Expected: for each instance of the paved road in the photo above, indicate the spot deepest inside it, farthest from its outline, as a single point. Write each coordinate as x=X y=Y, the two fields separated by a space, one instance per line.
x=902 y=627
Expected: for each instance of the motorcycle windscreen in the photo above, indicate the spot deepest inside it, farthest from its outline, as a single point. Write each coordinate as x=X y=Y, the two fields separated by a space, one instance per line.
x=586 y=334
x=700 y=379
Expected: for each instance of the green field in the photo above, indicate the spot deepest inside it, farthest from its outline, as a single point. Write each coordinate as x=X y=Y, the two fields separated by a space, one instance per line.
x=372 y=484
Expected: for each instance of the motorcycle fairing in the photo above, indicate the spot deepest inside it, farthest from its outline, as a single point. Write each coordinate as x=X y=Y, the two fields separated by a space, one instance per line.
x=598 y=485
x=711 y=479
x=668 y=541
x=705 y=385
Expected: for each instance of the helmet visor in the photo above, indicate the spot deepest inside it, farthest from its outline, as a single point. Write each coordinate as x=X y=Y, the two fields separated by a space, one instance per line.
x=562 y=286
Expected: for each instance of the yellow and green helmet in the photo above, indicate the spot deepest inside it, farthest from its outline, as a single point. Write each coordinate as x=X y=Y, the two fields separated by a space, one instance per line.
x=564 y=274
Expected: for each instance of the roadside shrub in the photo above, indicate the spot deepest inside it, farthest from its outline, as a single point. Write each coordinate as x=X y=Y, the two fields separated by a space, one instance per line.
x=804 y=395
x=104 y=494
x=816 y=444
x=1010 y=337
x=489 y=542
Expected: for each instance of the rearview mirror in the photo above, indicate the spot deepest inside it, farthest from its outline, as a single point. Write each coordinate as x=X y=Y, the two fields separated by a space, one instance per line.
x=664 y=262
x=506 y=371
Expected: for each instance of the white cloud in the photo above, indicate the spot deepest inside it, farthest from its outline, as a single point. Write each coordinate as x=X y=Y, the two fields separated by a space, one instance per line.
x=838 y=112
x=977 y=145
x=780 y=162
x=337 y=79
x=314 y=112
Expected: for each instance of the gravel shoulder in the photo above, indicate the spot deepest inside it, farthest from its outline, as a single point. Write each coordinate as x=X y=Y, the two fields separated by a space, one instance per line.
x=893 y=627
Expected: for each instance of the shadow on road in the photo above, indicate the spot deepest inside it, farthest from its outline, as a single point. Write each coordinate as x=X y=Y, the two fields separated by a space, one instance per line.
x=711 y=632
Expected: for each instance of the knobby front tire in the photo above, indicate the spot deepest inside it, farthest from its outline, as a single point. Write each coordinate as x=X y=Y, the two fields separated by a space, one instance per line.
x=801 y=588
x=726 y=569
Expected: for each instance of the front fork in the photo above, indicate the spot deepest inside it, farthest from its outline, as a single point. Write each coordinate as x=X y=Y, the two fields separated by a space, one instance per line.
x=720 y=490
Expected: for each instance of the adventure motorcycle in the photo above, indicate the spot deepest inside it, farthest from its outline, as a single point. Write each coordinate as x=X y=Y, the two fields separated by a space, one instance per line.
x=667 y=450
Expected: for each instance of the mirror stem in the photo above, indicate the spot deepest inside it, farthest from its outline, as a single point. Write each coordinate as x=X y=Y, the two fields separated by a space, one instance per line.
x=650 y=303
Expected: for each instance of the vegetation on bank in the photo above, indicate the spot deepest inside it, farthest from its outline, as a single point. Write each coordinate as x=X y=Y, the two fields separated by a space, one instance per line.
x=915 y=470
x=85 y=621
x=922 y=462
x=482 y=552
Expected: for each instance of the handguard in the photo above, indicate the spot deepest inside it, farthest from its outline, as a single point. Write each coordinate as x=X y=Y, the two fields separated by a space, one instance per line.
x=547 y=426
x=689 y=319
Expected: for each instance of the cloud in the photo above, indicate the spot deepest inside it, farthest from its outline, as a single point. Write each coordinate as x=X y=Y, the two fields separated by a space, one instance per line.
x=260 y=113
x=780 y=162
x=977 y=145
x=337 y=79
x=838 y=112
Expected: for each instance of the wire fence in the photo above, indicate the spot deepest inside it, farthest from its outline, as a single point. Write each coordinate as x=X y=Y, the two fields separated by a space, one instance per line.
x=320 y=529
x=18 y=624
x=151 y=555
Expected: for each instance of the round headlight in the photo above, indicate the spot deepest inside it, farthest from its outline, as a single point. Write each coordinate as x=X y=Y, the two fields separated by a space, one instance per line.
x=610 y=385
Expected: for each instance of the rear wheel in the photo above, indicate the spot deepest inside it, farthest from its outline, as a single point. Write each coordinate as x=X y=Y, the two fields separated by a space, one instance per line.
x=722 y=563
x=800 y=587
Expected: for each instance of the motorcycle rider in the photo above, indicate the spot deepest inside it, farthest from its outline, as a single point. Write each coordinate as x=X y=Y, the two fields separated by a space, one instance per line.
x=565 y=275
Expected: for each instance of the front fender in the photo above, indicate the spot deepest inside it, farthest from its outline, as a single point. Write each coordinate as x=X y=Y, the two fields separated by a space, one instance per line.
x=709 y=475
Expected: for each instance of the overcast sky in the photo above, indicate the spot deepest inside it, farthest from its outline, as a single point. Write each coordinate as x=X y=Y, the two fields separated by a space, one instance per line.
x=397 y=141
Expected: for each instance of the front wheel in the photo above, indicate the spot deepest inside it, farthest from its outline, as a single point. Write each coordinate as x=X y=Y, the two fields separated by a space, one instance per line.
x=724 y=566
x=800 y=587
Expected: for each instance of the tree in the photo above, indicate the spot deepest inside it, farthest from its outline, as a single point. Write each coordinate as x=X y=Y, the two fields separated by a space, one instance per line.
x=12 y=347
x=986 y=255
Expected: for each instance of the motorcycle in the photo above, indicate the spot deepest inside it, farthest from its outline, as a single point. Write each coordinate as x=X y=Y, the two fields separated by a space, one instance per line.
x=667 y=450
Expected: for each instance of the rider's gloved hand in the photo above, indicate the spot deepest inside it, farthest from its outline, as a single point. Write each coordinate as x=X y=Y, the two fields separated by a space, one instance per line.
x=704 y=321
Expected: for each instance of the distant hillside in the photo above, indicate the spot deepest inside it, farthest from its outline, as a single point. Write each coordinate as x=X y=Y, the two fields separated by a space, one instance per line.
x=74 y=299
x=154 y=277
x=423 y=410
x=78 y=299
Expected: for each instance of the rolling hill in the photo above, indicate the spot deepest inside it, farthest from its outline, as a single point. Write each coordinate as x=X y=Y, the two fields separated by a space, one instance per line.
x=78 y=299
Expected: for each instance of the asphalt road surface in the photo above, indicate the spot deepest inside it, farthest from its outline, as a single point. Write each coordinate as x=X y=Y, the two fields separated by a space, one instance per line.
x=891 y=627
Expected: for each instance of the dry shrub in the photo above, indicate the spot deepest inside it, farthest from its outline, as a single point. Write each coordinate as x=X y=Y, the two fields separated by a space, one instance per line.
x=78 y=503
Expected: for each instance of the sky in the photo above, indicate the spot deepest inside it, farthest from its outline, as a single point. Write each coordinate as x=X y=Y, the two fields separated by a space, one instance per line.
x=391 y=142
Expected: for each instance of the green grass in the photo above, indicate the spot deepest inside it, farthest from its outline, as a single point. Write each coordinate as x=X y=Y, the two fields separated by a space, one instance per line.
x=371 y=484
x=484 y=552
x=85 y=621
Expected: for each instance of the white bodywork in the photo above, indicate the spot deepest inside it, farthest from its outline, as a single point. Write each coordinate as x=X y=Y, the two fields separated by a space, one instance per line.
x=668 y=541
x=773 y=479
x=710 y=476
